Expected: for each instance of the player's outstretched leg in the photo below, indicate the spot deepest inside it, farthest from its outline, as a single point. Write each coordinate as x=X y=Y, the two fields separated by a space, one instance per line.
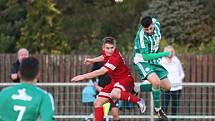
x=126 y=96
x=129 y=97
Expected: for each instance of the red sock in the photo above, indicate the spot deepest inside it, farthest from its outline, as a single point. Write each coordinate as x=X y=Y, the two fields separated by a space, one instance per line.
x=99 y=114
x=129 y=97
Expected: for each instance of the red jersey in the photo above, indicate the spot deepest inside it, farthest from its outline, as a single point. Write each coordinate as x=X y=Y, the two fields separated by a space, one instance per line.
x=117 y=70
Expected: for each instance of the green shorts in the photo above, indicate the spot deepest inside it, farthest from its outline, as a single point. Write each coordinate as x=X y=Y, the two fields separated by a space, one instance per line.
x=145 y=69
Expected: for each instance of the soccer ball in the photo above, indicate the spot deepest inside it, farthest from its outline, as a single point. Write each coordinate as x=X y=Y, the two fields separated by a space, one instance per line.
x=118 y=1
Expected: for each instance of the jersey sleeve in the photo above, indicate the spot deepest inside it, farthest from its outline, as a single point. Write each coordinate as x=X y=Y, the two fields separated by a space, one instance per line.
x=112 y=63
x=47 y=108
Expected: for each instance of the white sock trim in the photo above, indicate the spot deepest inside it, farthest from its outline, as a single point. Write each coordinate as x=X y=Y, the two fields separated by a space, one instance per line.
x=157 y=109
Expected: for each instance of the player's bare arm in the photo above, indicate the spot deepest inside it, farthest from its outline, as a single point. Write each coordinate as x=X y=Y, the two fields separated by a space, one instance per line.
x=88 y=61
x=90 y=75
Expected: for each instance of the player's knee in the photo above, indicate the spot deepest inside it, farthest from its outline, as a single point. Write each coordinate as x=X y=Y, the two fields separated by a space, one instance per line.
x=156 y=84
x=168 y=87
x=115 y=95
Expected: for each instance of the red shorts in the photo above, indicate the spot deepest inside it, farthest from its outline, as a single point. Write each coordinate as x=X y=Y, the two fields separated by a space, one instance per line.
x=124 y=85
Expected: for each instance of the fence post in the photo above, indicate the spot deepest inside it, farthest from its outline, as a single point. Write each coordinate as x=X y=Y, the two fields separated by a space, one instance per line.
x=152 y=107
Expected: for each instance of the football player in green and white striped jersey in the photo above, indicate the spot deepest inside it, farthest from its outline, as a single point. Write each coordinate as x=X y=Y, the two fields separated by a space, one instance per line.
x=146 y=57
x=26 y=101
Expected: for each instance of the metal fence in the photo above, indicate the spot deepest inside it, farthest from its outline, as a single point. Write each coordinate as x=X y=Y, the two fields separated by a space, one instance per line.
x=196 y=103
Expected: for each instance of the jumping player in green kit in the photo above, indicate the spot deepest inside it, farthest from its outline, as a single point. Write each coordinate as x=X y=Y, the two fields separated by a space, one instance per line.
x=26 y=101
x=146 y=59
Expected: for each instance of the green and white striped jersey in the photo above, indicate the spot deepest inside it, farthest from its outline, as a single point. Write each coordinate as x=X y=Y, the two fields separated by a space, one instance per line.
x=26 y=102
x=147 y=43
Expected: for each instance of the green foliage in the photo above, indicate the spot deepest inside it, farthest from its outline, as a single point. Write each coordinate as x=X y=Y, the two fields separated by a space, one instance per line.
x=6 y=42
x=208 y=48
x=203 y=48
x=125 y=42
x=86 y=22
x=78 y=26
x=12 y=14
x=189 y=21
x=180 y=49
x=42 y=31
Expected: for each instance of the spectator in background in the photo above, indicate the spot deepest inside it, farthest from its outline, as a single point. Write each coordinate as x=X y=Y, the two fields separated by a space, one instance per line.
x=22 y=54
x=88 y=97
x=88 y=94
x=26 y=101
x=176 y=75
x=100 y=83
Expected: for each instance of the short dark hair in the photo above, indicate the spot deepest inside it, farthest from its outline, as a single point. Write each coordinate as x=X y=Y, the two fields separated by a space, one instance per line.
x=109 y=40
x=29 y=68
x=146 y=21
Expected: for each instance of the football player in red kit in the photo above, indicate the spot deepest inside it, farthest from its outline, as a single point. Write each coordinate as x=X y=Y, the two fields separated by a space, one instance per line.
x=121 y=84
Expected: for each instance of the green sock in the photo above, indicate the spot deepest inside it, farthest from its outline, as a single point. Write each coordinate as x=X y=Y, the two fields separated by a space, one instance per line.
x=145 y=87
x=156 y=97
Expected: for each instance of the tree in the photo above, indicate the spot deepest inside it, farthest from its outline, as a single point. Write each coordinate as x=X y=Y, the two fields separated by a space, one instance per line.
x=42 y=31
x=86 y=22
x=5 y=42
x=184 y=21
x=13 y=15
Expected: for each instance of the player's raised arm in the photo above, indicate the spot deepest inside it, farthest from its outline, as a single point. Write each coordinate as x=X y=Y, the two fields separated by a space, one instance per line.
x=90 y=75
x=88 y=61
x=151 y=56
